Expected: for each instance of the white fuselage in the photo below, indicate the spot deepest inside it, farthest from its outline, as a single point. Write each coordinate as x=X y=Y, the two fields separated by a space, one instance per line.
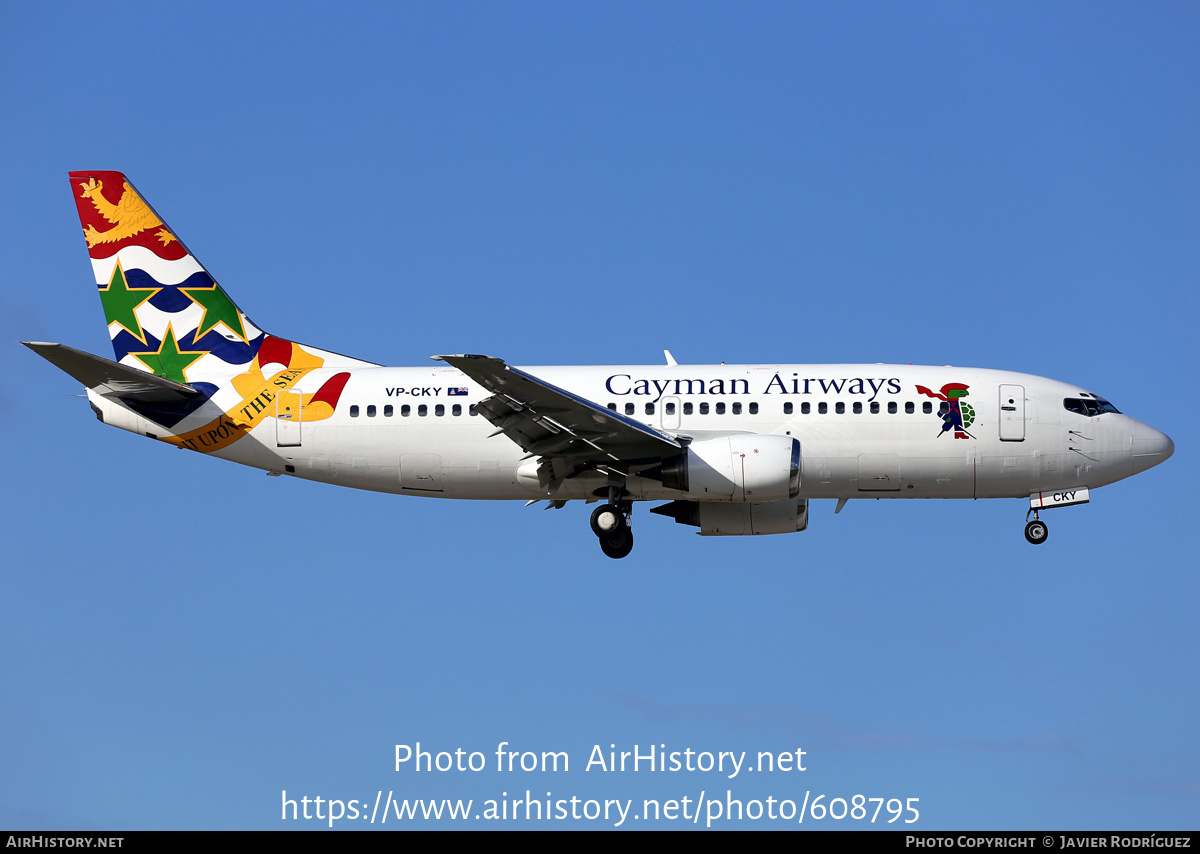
x=865 y=431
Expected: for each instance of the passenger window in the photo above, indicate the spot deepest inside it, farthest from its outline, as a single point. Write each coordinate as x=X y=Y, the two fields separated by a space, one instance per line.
x=704 y=409
x=670 y=409
x=754 y=409
x=388 y=411
x=371 y=411
x=471 y=410
x=629 y=409
x=910 y=408
x=787 y=408
x=687 y=409
x=927 y=407
x=405 y=411
x=737 y=409
x=822 y=408
x=875 y=407
x=422 y=410
x=354 y=411
x=721 y=408
x=613 y=407
x=857 y=408
x=649 y=408
x=805 y=408
x=457 y=410
x=439 y=410
x=892 y=408
x=943 y=408
x=840 y=408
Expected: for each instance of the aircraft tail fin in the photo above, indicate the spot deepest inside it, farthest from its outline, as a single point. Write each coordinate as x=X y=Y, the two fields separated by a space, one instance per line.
x=165 y=313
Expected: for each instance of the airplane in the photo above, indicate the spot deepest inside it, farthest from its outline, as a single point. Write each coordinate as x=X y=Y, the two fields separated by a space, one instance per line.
x=732 y=449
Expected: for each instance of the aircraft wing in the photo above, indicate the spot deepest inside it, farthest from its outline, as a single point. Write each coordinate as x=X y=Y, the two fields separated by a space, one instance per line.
x=547 y=421
x=110 y=378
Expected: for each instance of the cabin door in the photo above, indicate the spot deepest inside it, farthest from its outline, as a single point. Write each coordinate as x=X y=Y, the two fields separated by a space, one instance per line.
x=1012 y=413
x=288 y=406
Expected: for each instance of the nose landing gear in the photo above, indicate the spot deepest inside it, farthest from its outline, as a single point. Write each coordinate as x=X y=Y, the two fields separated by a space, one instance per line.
x=1036 y=530
x=610 y=524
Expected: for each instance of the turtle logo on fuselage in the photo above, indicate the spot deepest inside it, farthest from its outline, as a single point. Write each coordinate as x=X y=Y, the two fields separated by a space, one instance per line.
x=956 y=416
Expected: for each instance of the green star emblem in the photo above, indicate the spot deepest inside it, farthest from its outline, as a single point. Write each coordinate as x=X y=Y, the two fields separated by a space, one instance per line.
x=169 y=362
x=218 y=308
x=120 y=302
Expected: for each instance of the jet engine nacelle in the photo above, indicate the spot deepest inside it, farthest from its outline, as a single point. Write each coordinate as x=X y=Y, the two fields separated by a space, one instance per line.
x=730 y=520
x=753 y=467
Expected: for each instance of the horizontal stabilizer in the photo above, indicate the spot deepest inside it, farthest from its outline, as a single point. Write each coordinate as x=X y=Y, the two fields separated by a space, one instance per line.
x=110 y=378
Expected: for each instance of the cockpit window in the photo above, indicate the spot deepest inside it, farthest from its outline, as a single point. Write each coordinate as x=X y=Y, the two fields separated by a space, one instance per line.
x=1094 y=406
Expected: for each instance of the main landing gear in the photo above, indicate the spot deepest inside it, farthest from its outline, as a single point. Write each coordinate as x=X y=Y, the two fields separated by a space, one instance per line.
x=610 y=524
x=1035 y=531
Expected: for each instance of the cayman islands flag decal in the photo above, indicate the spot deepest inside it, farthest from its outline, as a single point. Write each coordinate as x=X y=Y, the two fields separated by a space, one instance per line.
x=165 y=313
x=167 y=316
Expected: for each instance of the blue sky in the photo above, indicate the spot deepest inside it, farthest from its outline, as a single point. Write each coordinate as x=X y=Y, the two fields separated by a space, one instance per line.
x=1000 y=185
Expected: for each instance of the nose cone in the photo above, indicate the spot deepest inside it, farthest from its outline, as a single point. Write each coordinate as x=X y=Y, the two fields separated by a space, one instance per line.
x=1150 y=447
